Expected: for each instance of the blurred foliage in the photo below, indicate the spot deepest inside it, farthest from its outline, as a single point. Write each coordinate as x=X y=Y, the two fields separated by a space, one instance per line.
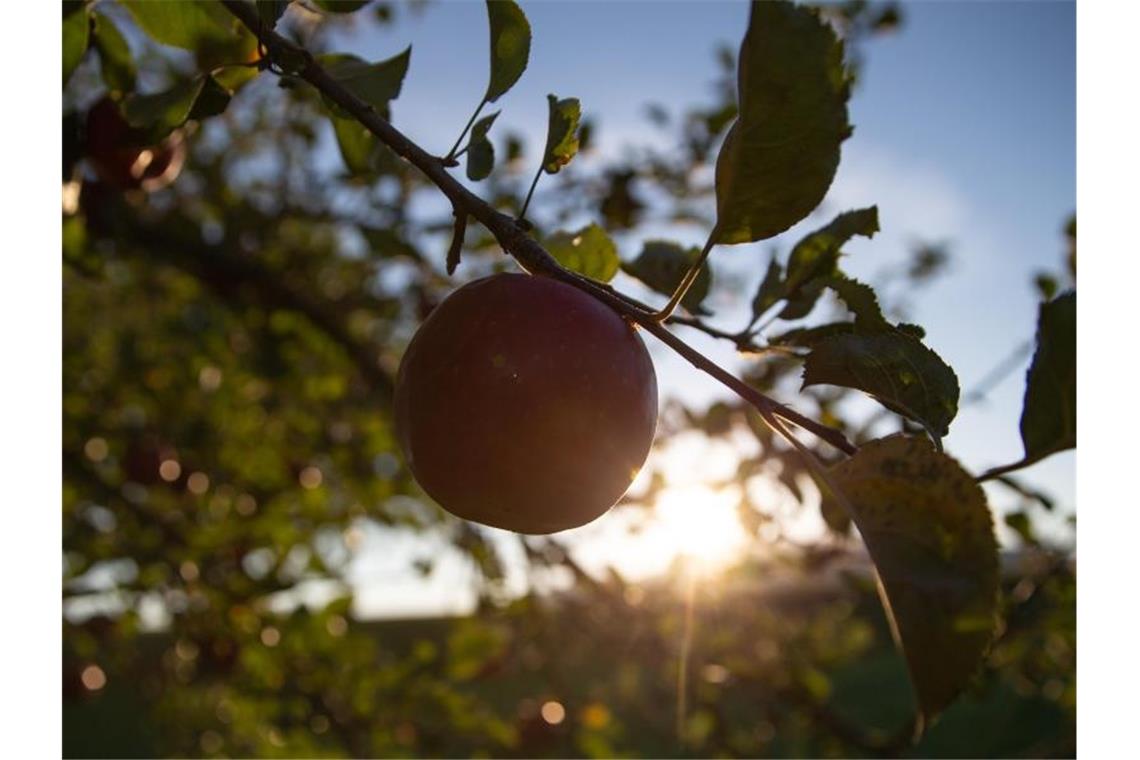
x=229 y=344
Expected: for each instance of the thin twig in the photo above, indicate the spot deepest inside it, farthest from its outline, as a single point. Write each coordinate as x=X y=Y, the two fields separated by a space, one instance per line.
x=457 y=236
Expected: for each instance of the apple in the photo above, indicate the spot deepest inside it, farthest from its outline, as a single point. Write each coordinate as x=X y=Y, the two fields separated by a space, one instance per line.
x=523 y=403
x=124 y=157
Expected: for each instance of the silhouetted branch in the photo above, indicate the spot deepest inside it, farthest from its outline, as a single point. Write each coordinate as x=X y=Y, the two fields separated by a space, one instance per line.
x=510 y=233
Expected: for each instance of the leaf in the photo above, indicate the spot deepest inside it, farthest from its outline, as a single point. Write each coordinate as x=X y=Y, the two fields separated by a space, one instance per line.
x=930 y=534
x=661 y=266
x=1046 y=285
x=588 y=251
x=187 y=24
x=510 y=46
x=480 y=151
x=817 y=254
x=899 y=371
x=376 y=84
x=162 y=112
x=76 y=34
x=861 y=301
x=806 y=337
x=1049 y=414
x=780 y=155
x=561 y=134
x=771 y=290
x=357 y=145
x=480 y=160
x=483 y=126
x=115 y=59
x=341 y=6
x=800 y=303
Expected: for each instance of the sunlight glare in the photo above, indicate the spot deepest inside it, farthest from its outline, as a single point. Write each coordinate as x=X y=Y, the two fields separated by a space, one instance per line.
x=700 y=524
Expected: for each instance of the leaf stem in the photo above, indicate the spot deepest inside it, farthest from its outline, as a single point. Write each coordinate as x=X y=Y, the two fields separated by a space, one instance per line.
x=688 y=280
x=530 y=193
x=451 y=153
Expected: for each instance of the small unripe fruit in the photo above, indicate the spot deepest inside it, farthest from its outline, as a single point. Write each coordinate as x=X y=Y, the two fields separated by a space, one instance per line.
x=525 y=404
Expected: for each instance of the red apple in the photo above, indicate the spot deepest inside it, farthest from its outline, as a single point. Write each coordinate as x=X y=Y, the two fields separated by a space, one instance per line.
x=526 y=404
x=121 y=155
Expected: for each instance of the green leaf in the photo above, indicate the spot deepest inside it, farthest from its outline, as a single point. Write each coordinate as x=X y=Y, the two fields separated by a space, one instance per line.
x=661 y=266
x=480 y=151
x=162 y=112
x=930 y=534
x=1046 y=285
x=76 y=34
x=588 y=251
x=341 y=6
x=561 y=134
x=861 y=301
x=816 y=257
x=357 y=145
x=375 y=83
x=771 y=290
x=806 y=337
x=187 y=24
x=800 y=303
x=480 y=160
x=1049 y=415
x=114 y=55
x=899 y=371
x=510 y=46
x=483 y=126
x=817 y=254
x=780 y=155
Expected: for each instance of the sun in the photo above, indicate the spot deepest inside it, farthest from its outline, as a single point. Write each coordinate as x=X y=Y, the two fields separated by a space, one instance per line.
x=699 y=524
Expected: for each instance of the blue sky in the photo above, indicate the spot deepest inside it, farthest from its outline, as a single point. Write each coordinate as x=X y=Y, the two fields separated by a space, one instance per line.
x=965 y=127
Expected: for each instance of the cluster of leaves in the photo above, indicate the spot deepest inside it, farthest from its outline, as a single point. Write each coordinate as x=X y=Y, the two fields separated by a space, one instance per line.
x=226 y=415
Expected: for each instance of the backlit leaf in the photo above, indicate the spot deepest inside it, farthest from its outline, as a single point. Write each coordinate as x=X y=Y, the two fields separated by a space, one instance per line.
x=817 y=254
x=561 y=133
x=1049 y=416
x=815 y=258
x=770 y=291
x=187 y=24
x=357 y=145
x=510 y=46
x=162 y=112
x=930 y=534
x=861 y=301
x=780 y=155
x=76 y=33
x=480 y=151
x=588 y=251
x=662 y=264
x=480 y=160
x=114 y=55
x=898 y=370
x=376 y=84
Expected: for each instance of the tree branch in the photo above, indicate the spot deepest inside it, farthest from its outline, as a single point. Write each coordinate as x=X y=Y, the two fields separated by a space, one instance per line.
x=511 y=235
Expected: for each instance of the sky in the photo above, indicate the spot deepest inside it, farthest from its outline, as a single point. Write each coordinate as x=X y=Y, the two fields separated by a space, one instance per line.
x=965 y=125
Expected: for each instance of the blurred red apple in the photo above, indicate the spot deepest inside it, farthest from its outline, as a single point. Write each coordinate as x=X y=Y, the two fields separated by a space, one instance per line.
x=122 y=156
